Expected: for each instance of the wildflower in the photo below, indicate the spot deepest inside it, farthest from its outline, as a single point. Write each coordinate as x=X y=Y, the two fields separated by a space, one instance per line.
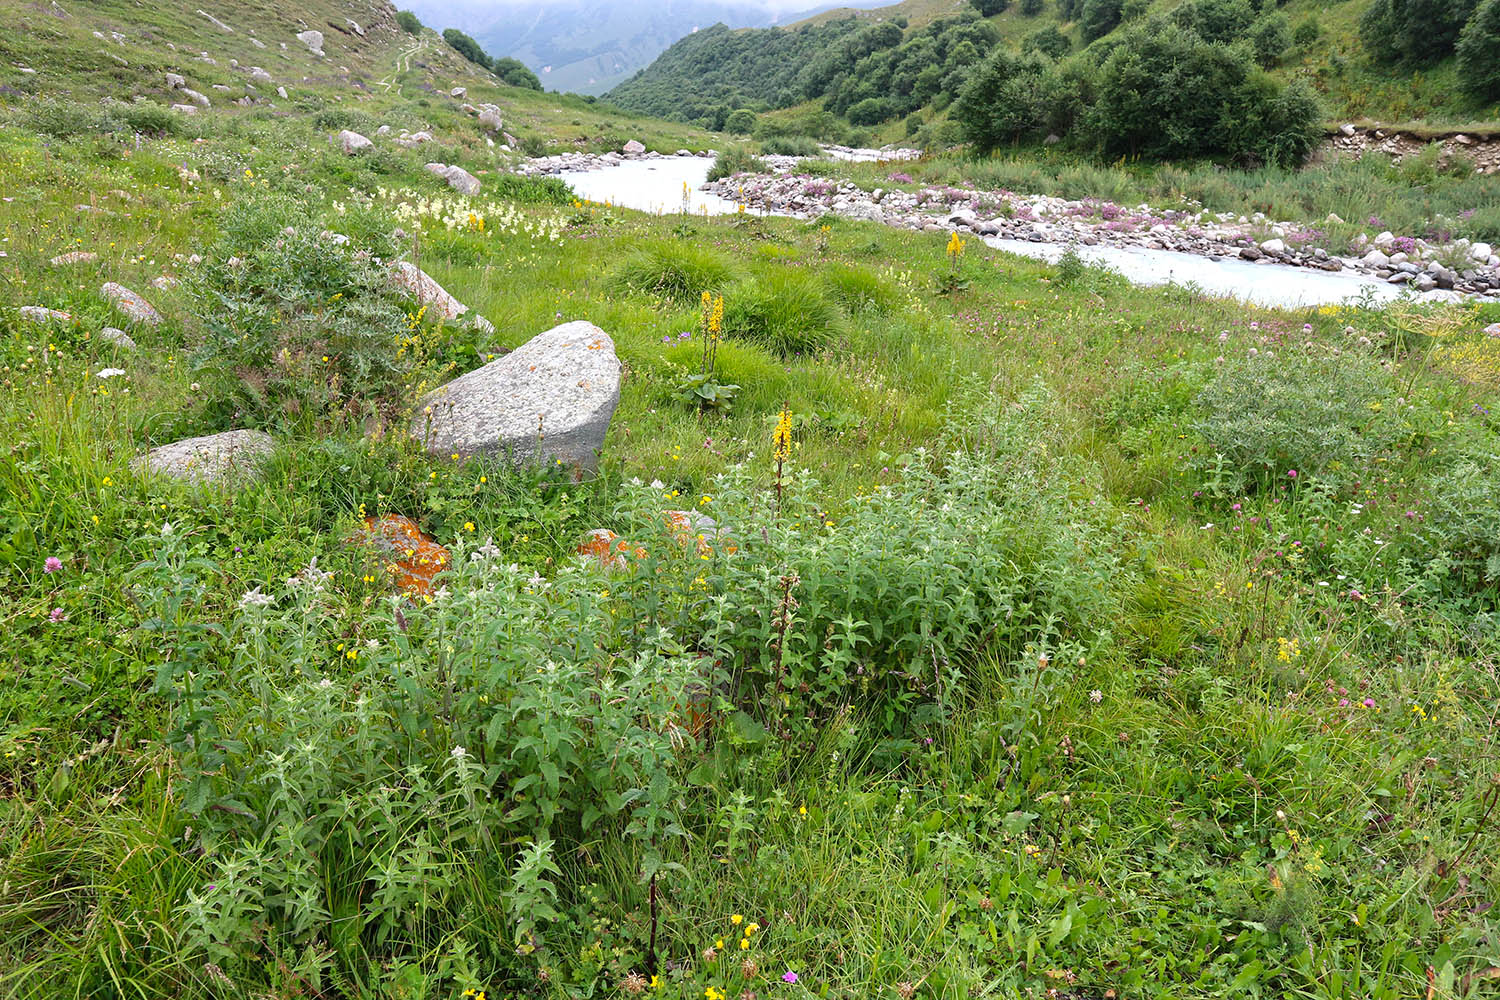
x=57 y=615
x=736 y=919
x=955 y=248
x=789 y=976
x=52 y=565
x=802 y=810
x=781 y=439
x=458 y=753
x=751 y=929
x=1096 y=696
x=1368 y=703
x=713 y=994
x=253 y=598
x=744 y=944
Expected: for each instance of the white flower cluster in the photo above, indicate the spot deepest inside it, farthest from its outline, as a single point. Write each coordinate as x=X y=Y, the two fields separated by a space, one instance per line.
x=456 y=213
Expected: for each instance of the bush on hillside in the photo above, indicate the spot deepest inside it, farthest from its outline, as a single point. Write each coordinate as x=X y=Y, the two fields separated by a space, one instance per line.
x=534 y=190
x=1031 y=8
x=740 y=121
x=872 y=111
x=785 y=312
x=408 y=21
x=1099 y=18
x=989 y=8
x=1151 y=102
x=682 y=271
x=1479 y=53
x=515 y=73
x=1223 y=21
x=466 y=47
x=1307 y=32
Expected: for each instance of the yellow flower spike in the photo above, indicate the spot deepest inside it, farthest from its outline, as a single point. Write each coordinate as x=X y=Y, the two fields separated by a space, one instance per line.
x=781 y=439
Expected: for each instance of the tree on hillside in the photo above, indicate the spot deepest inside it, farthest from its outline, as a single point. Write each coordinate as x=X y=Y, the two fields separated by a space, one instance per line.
x=741 y=121
x=1479 y=53
x=1414 y=32
x=466 y=47
x=1099 y=18
x=408 y=21
x=1003 y=101
x=1048 y=41
x=1031 y=8
x=1270 y=37
x=1217 y=20
x=989 y=8
x=516 y=73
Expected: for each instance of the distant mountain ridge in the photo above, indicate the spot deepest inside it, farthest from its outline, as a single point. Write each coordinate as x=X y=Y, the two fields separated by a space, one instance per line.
x=589 y=46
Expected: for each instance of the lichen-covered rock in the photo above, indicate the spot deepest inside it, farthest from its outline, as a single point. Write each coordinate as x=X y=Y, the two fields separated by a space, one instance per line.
x=117 y=337
x=74 y=257
x=313 y=40
x=134 y=308
x=199 y=99
x=41 y=314
x=229 y=456
x=550 y=400
x=176 y=81
x=409 y=557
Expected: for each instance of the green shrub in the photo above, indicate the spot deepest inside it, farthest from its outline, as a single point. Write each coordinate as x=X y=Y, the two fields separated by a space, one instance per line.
x=1307 y=412
x=1414 y=32
x=860 y=289
x=534 y=190
x=296 y=327
x=680 y=270
x=791 y=145
x=1099 y=18
x=1270 y=37
x=146 y=117
x=1308 y=32
x=1462 y=520
x=466 y=47
x=1479 y=53
x=1031 y=8
x=515 y=73
x=408 y=21
x=736 y=160
x=61 y=119
x=872 y=111
x=740 y=122
x=786 y=312
x=1005 y=100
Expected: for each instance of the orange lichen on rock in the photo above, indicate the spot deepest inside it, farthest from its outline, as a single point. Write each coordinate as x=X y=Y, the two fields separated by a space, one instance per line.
x=411 y=558
x=610 y=550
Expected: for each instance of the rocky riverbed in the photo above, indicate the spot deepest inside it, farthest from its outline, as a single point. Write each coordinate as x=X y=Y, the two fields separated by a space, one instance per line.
x=1460 y=266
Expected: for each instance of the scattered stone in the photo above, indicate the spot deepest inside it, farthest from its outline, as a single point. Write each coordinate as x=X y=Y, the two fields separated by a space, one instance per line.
x=609 y=550
x=313 y=40
x=1346 y=129
x=1375 y=258
x=1251 y=253
x=260 y=75
x=135 y=308
x=232 y=455
x=1493 y=330
x=425 y=289
x=549 y=400
x=491 y=120
x=457 y=177
x=217 y=23
x=176 y=81
x=165 y=282
x=634 y=147
x=257 y=43
x=353 y=142
x=197 y=98
x=185 y=109
x=117 y=337
x=1274 y=247
x=281 y=93
x=74 y=257
x=459 y=93
x=41 y=314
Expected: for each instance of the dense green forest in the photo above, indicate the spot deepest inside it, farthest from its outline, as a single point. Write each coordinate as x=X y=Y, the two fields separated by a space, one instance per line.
x=1245 y=80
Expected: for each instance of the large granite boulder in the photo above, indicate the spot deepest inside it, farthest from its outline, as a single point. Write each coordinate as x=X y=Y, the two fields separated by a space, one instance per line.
x=457 y=177
x=353 y=142
x=211 y=458
x=550 y=400
x=313 y=40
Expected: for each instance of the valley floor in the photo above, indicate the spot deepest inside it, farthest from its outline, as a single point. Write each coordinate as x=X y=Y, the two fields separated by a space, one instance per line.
x=1056 y=637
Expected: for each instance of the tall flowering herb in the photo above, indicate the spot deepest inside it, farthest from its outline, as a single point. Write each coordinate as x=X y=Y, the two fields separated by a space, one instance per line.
x=712 y=324
x=781 y=449
x=953 y=280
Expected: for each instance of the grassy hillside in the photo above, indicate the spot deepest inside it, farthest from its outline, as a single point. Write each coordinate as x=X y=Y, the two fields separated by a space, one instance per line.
x=1052 y=636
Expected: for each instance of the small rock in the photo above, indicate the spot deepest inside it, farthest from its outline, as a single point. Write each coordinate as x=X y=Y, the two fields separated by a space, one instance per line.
x=197 y=98
x=185 y=109
x=633 y=147
x=491 y=120
x=214 y=457
x=1493 y=330
x=1274 y=247
x=110 y=373
x=457 y=177
x=117 y=337
x=1375 y=258
x=41 y=314
x=281 y=93
x=176 y=81
x=260 y=76
x=549 y=400
x=1251 y=253
x=313 y=40
x=135 y=308
x=459 y=93
x=1346 y=129
x=74 y=257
